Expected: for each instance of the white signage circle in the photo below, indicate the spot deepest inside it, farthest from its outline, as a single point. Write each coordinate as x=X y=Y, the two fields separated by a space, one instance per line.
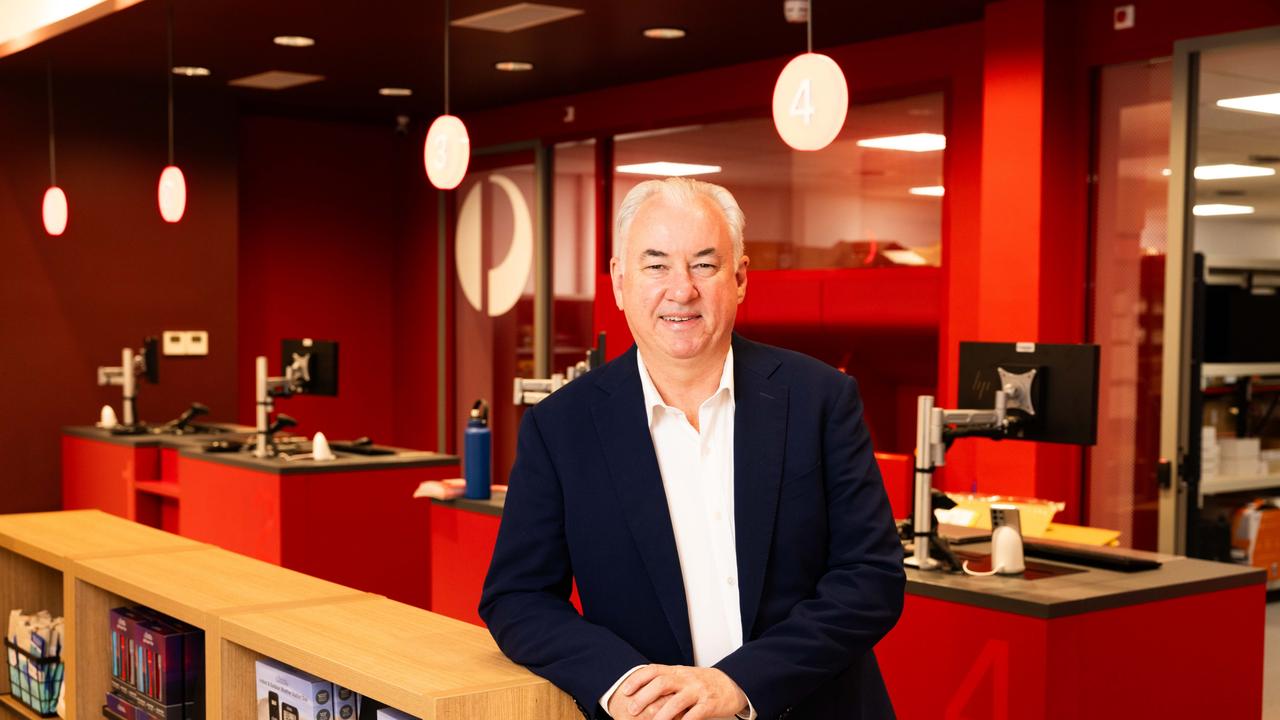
x=810 y=102
x=172 y=194
x=447 y=152
x=54 y=210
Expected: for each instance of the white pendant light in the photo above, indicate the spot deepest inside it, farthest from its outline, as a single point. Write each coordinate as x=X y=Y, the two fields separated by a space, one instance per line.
x=810 y=98
x=171 y=192
x=53 y=210
x=447 y=150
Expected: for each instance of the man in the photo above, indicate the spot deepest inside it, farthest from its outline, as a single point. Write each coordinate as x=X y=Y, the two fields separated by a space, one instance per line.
x=716 y=501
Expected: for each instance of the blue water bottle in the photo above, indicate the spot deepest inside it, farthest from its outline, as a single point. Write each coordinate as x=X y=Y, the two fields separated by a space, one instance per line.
x=476 y=452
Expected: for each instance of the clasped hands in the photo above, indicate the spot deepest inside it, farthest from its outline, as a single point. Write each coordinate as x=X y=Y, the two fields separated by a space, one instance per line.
x=677 y=692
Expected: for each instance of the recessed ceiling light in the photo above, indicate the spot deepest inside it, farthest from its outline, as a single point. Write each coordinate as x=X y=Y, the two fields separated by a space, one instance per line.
x=293 y=40
x=394 y=92
x=1166 y=172
x=191 y=71
x=668 y=169
x=915 y=142
x=929 y=190
x=520 y=16
x=1269 y=104
x=1232 y=171
x=663 y=33
x=275 y=80
x=1220 y=209
x=514 y=66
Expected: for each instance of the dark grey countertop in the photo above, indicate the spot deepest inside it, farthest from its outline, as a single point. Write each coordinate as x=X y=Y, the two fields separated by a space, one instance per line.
x=1081 y=592
x=192 y=446
x=492 y=506
x=1050 y=597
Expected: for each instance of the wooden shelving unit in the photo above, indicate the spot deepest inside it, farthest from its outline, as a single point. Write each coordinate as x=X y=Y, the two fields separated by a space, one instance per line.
x=11 y=707
x=82 y=563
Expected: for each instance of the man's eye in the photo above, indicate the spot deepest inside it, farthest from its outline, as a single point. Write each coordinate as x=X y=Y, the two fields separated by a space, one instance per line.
x=705 y=267
x=655 y=267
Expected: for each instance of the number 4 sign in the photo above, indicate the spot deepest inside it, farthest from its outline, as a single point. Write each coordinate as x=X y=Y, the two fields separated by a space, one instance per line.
x=810 y=101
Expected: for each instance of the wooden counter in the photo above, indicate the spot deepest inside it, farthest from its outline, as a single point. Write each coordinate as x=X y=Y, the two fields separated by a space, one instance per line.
x=82 y=563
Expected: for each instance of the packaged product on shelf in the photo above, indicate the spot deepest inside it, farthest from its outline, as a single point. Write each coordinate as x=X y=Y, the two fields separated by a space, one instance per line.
x=33 y=651
x=344 y=703
x=1256 y=532
x=393 y=714
x=285 y=693
x=156 y=666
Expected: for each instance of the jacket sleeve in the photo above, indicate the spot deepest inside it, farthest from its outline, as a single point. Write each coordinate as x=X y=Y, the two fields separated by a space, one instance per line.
x=860 y=596
x=525 y=601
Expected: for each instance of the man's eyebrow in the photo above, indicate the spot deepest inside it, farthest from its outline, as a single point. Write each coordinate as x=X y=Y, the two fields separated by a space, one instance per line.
x=653 y=253
x=706 y=252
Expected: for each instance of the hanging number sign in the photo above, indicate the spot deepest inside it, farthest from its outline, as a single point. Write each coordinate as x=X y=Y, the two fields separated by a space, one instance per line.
x=810 y=101
x=447 y=152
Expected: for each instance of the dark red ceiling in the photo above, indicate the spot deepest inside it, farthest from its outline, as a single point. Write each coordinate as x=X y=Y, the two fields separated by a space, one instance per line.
x=363 y=46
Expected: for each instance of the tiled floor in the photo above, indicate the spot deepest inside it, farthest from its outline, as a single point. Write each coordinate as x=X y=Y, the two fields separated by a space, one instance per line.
x=1271 y=665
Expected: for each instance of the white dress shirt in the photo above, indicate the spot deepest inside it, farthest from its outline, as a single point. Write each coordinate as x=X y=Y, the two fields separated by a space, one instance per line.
x=697 y=474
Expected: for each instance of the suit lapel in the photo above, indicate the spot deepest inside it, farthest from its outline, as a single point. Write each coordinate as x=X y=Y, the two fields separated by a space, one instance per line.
x=759 y=438
x=622 y=424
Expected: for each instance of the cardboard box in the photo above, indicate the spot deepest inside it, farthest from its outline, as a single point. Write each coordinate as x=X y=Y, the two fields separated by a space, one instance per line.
x=393 y=714
x=285 y=693
x=157 y=665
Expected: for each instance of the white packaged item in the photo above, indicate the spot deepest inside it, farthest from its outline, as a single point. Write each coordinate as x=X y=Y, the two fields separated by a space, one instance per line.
x=288 y=694
x=393 y=714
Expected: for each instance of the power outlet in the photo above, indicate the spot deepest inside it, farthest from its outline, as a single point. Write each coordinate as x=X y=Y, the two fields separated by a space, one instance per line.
x=175 y=342
x=197 y=342
x=1122 y=17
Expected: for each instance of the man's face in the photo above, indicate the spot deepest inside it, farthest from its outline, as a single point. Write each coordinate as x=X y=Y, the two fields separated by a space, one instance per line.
x=678 y=286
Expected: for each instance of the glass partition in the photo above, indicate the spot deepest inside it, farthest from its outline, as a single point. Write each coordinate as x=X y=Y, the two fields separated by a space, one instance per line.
x=873 y=198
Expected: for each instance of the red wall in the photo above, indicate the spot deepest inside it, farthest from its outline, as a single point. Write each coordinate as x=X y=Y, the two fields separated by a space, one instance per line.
x=337 y=242
x=69 y=304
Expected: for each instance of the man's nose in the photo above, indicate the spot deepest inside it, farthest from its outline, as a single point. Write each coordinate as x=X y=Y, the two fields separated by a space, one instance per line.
x=680 y=287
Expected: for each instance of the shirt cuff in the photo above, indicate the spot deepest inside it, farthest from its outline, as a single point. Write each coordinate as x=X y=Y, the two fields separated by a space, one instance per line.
x=749 y=713
x=608 y=695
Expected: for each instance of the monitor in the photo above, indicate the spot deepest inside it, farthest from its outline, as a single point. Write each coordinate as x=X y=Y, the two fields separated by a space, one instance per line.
x=1064 y=391
x=151 y=359
x=323 y=367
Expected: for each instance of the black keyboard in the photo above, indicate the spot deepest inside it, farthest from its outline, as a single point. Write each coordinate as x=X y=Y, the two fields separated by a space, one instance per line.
x=1088 y=558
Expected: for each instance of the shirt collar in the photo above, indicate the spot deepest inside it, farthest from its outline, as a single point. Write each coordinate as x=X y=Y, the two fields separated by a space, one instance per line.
x=652 y=399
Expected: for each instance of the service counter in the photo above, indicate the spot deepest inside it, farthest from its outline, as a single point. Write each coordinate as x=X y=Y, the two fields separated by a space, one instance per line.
x=80 y=564
x=1183 y=640
x=319 y=518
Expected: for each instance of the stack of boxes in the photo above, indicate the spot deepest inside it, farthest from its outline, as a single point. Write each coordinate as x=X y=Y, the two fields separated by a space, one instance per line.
x=1240 y=457
x=288 y=694
x=1210 y=456
x=157 y=667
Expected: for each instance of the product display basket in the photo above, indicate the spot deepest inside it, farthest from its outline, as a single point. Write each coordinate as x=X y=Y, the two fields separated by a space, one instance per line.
x=34 y=681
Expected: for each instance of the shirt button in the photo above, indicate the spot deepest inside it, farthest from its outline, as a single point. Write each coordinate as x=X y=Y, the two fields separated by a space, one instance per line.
x=717 y=516
x=730 y=580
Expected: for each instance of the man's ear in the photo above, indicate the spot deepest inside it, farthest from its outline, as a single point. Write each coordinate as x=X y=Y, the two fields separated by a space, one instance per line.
x=740 y=275
x=615 y=276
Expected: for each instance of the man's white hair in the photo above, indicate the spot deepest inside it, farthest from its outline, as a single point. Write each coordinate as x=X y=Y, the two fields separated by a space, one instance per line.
x=683 y=191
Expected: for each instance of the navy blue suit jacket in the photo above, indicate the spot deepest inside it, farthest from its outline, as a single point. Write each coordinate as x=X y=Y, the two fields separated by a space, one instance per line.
x=819 y=563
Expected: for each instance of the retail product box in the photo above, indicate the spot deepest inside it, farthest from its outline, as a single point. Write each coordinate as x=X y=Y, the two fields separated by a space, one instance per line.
x=157 y=665
x=120 y=707
x=393 y=714
x=344 y=703
x=288 y=694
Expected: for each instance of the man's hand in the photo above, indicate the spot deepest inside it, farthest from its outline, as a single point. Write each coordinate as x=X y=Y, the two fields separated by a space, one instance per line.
x=668 y=692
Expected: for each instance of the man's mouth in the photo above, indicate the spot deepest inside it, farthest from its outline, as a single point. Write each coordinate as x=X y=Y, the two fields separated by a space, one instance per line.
x=679 y=318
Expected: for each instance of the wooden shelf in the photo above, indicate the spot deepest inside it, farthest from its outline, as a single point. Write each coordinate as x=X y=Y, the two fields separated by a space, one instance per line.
x=155 y=487
x=11 y=704
x=58 y=538
x=1238 y=483
x=425 y=664
x=392 y=652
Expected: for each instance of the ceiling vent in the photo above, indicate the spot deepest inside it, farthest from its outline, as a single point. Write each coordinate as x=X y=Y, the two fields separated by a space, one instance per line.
x=512 y=18
x=275 y=80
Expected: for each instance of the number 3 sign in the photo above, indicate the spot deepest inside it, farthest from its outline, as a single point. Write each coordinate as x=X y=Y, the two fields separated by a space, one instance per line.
x=447 y=152
x=810 y=102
